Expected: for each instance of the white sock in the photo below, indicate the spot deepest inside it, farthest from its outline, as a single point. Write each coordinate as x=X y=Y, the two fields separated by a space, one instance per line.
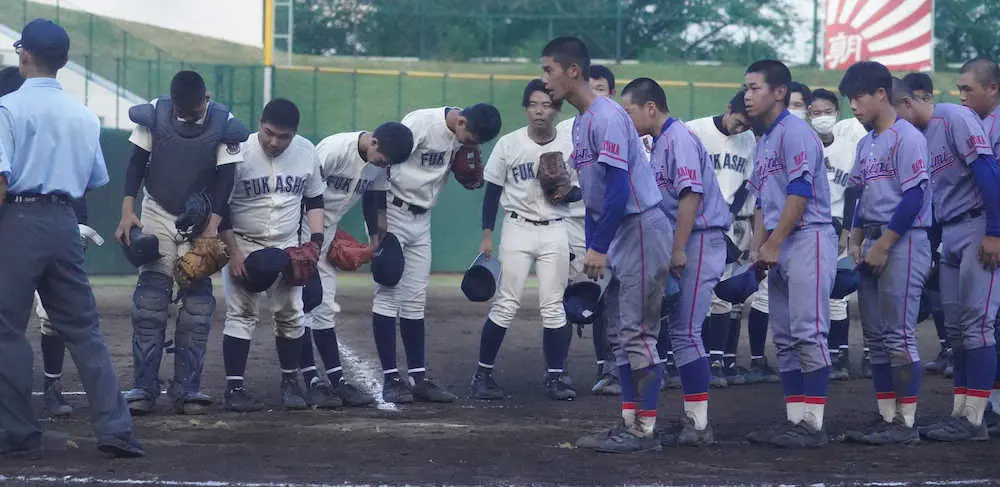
x=696 y=408
x=975 y=406
x=995 y=399
x=645 y=422
x=628 y=414
x=958 y=403
x=886 y=405
x=813 y=415
x=794 y=407
x=908 y=410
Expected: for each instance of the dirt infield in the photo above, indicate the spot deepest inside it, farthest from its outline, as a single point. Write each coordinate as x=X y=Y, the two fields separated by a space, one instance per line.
x=524 y=440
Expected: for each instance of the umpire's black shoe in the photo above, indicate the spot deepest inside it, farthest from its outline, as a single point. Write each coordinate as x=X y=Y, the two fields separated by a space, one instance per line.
x=396 y=390
x=350 y=395
x=239 y=400
x=140 y=401
x=321 y=395
x=557 y=387
x=427 y=391
x=292 y=396
x=800 y=436
x=484 y=387
x=121 y=446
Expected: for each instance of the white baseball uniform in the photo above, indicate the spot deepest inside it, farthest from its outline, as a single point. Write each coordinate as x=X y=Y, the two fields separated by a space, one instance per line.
x=534 y=230
x=346 y=176
x=732 y=159
x=414 y=188
x=265 y=210
x=839 y=160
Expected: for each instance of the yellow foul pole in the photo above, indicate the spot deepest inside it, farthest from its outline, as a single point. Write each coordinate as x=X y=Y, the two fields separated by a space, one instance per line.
x=268 y=48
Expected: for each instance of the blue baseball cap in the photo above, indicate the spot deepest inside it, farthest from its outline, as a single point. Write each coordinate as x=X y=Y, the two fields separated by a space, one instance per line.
x=44 y=38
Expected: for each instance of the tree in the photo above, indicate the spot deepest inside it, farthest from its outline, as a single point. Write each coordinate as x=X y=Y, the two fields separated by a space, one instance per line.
x=966 y=28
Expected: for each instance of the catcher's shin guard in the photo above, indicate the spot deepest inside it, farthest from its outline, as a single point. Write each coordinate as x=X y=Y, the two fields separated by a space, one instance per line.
x=193 y=322
x=150 y=309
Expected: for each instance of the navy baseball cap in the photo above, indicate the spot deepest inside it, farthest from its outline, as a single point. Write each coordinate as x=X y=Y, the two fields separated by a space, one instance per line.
x=44 y=38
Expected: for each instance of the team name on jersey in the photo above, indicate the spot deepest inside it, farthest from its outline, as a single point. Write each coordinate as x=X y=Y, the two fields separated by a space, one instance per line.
x=343 y=184
x=873 y=169
x=772 y=164
x=432 y=159
x=282 y=184
x=840 y=178
x=523 y=172
x=583 y=156
x=732 y=162
x=941 y=158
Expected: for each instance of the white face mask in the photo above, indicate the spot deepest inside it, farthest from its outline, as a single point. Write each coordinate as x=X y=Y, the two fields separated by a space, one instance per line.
x=824 y=125
x=798 y=113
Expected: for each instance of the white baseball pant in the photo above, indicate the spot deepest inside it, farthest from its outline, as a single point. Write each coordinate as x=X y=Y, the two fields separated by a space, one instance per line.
x=243 y=307
x=408 y=298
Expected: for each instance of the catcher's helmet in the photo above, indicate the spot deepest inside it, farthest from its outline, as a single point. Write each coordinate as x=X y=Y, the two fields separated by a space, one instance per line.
x=387 y=261
x=741 y=284
x=847 y=279
x=143 y=248
x=481 y=278
x=263 y=268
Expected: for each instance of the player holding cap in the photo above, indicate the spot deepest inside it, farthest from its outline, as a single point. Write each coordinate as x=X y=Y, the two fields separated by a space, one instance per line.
x=965 y=183
x=793 y=226
x=700 y=217
x=628 y=235
x=890 y=244
x=354 y=166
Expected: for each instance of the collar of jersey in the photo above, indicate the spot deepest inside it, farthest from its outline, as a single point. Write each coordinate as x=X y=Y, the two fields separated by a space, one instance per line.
x=778 y=120
x=666 y=126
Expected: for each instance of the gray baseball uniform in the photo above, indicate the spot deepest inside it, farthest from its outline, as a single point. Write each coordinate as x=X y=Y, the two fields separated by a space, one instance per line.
x=799 y=285
x=886 y=166
x=955 y=138
x=680 y=162
x=639 y=255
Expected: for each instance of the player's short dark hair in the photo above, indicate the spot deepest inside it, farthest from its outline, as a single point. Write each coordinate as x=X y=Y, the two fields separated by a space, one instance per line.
x=537 y=85
x=901 y=90
x=568 y=51
x=281 y=113
x=738 y=103
x=187 y=89
x=802 y=89
x=985 y=70
x=645 y=90
x=825 y=94
x=10 y=79
x=600 y=71
x=775 y=74
x=865 y=78
x=395 y=141
x=919 y=81
x=483 y=121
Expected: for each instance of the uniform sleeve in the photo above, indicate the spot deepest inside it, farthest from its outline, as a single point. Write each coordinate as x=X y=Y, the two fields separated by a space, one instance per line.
x=230 y=153
x=611 y=137
x=798 y=156
x=687 y=166
x=142 y=138
x=991 y=125
x=6 y=143
x=381 y=182
x=99 y=170
x=314 y=185
x=910 y=159
x=968 y=136
x=496 y=166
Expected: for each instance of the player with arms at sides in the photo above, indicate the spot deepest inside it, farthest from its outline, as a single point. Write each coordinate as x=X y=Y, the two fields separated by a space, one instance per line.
x=979 y=89
x=965 y=184
x=185 y=144
x=838 y=154
x=413 y=189
x=795 y=241
x=280 y=172
x=353 y=166
x=729 y=142
x=534 y=232
x=890 y=245
x=627 y=234
x=700 y=216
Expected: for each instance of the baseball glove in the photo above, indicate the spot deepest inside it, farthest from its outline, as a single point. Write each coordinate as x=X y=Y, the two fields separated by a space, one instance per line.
x=206 y=257
x=467 y=165
x=302 y=263
x=554 y=177
x=347 y=253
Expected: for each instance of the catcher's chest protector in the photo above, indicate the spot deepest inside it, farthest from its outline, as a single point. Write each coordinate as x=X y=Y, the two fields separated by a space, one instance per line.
x=184 y=156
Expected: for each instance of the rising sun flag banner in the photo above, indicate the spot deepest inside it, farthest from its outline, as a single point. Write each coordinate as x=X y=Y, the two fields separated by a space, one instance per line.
x=897 y=33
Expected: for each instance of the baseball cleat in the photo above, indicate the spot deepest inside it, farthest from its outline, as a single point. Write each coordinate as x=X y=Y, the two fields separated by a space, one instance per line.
x=427 y=391
x=957 y=429
x=800 y=436
x=866 y=366
x=55 y=403
x=140 y=401
x=350 y=395
x=894 y=433
x=607 y=385
x=876 y=425
x=292 y=396
x=188 y=403
x=556 y=387
x=121 y=446
x=484 y=387
x=593 y=440
x=992 y=421
x=940 y=363
x=718 y=375
x=239 y=400
x=321 y=395
x=686 y=435
x=629 y=441
x=760 y=371
x=396 y=390
x=735 y=374
x=762 y=436
x=841 y=369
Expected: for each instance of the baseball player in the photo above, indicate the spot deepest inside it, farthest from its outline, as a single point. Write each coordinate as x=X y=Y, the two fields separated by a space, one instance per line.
x=965 y=184
x=979 y=89
x=280 y=172
x=354 y=166
x=184 y=144
x=801 y=98
x=534 y=233
x=921 y=85
x=729 y=143
x=628 y=236
x=700 y=216
x=414 y=188
x=793 y=226
x=890 y=244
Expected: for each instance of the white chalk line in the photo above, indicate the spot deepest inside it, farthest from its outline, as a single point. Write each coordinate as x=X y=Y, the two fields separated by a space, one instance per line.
x=369 y=377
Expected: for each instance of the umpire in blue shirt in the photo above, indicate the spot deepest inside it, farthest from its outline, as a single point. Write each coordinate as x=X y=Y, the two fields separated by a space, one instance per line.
x=50 y=154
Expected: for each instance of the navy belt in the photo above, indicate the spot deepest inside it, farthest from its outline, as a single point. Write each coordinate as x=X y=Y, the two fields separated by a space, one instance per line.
x=26 y=198
x=873 y=231
x=416 y=210
x=515 y=216
x=965 y=215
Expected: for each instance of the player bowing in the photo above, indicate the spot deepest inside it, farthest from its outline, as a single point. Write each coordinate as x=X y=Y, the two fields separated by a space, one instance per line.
x=353 y=165
x=534 y=232
x=889 y=242
x=795 y=240
x=700 y=217
x=281 y=170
